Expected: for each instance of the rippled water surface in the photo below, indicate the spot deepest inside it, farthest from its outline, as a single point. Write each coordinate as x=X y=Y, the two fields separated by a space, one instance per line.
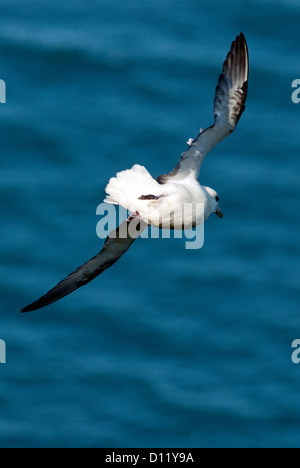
x=170 y=347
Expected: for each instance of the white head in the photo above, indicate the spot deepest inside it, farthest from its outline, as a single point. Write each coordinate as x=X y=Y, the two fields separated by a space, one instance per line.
x=214 y=199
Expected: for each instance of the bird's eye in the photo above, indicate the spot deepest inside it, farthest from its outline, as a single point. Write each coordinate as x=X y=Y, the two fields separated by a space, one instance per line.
x=217 y=198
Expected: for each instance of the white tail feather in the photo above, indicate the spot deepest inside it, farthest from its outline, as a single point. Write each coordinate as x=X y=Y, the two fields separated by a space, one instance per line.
x=128 y=186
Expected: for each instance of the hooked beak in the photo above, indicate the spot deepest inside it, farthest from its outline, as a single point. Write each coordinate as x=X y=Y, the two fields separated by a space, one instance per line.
x=219 y=213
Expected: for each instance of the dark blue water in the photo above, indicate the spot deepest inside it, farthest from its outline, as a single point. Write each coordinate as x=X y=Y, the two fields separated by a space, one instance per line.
x=170 y=347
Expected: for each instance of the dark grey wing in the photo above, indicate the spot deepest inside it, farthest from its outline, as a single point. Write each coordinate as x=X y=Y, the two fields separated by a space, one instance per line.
x=229 y=105
x=116 y=245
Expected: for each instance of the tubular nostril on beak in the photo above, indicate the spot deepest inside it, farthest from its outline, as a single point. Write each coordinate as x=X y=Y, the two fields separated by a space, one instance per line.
x=219 y=213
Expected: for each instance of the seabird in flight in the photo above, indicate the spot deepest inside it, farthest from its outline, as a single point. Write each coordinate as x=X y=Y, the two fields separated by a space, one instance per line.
x=160 y=202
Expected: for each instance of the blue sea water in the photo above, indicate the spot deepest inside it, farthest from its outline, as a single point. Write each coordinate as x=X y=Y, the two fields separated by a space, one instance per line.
x=171 y=347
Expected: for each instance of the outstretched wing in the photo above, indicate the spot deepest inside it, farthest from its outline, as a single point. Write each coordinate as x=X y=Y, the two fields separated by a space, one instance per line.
x=116 y=245
x=229 y=104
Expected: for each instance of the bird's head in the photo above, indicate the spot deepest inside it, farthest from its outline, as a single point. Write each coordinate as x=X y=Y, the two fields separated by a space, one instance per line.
x=214 y=201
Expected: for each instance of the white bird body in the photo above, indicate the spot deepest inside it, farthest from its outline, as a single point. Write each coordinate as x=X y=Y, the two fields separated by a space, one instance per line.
x=181 y=204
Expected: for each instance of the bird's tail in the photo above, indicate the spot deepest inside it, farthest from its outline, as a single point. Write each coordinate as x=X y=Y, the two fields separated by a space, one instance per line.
x=128 y=186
